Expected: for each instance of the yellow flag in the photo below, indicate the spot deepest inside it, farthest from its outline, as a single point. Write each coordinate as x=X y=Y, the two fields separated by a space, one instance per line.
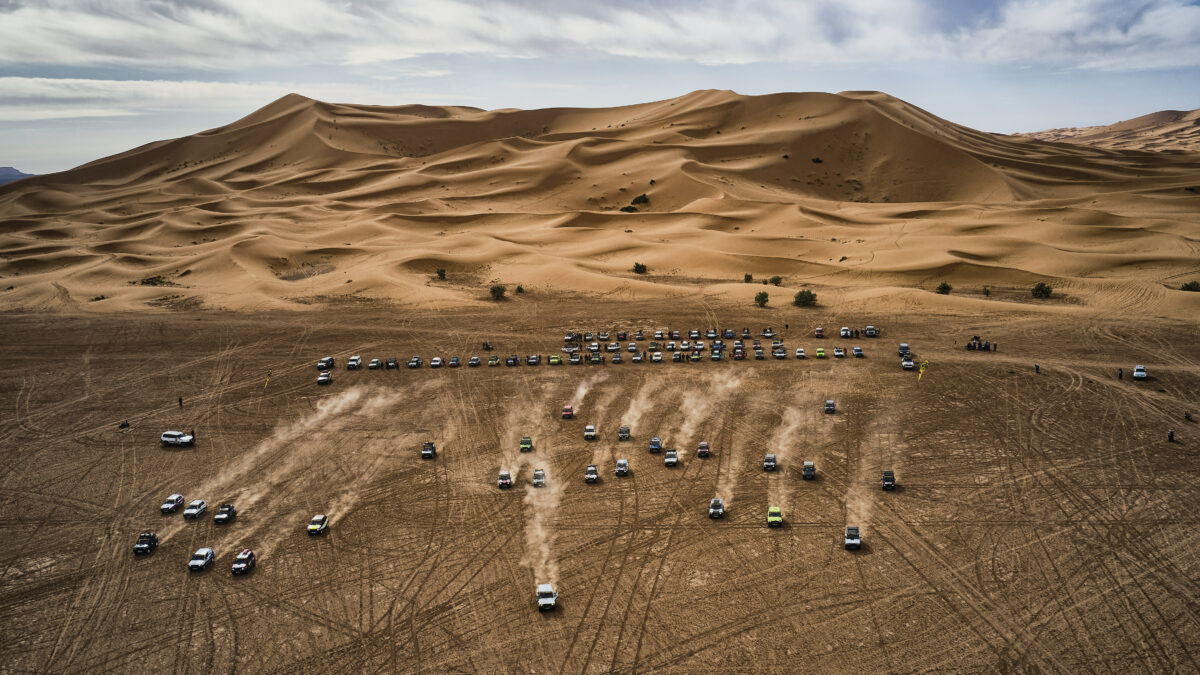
x=269 y=380
x=924 y=365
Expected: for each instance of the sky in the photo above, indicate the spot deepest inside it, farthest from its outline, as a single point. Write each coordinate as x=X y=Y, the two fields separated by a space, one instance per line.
x=83 y=79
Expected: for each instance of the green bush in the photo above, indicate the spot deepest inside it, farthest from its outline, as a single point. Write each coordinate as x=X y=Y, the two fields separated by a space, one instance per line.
x=1193 y=286
x=629 y=209
x=520 y=289
x=441 y=272
x=498 y=291
x=639 y=268
x=944 y=288
x=1041 y=290
x=776 y=280
x=987 y=292
x=805 y=298
x=748 y=278
x=761 y=298
x=640 y=199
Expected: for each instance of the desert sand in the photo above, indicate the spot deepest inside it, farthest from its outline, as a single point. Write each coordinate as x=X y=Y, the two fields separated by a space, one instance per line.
x=1043 y=522
x=858 y=194
x=1165 y=130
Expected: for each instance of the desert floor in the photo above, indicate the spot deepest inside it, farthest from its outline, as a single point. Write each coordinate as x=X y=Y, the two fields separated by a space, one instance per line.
x=1042 y=521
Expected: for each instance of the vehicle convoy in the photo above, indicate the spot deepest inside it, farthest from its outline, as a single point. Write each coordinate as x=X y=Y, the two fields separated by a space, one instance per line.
x=591 y=474
x=539 y=478
x=244 y=562
x=176 y=439
x=671 y=458
x=623 y=433
x=354 y=363
x=504 y=480
x=428 y=450
x=704 y=450
x=526 y=444
x=716 y=508
x=226 y=513
x=568 y=412
x=589 y=432
x=547 y=597
x=1139 y=372
x=145 y=544
x=172 y=503
x=830 y=408
x=889 y=480
x=201 y=560
x=769 y=463
x=853 y=540
x=325 y=377
x=622 y=467
x=325 y=363
x=810 y=471
x=774 y=516
x=656 y=444
x=195 y=509
x=318 y=524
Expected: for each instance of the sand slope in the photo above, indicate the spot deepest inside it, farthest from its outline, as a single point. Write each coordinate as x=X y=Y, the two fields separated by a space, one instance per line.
x=1163 y=130
x=855 y=194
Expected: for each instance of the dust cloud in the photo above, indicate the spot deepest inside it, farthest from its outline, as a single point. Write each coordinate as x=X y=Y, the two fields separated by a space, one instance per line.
x=541 y=507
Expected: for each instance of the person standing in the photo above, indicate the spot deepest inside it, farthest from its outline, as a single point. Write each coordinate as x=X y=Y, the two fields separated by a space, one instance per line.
x=180 y=401
x=1120 y=373
x=1037 y=368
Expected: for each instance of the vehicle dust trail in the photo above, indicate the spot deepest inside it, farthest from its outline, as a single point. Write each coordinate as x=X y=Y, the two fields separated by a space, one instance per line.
x=606 y=427
x=303 y=438
x=783 y=443
x=697 y=406
x=541 y=506
x=638 y=406
x=584 y=387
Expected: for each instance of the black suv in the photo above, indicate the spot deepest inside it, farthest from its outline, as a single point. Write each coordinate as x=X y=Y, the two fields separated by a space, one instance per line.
x=146 y=543
x=428 y=451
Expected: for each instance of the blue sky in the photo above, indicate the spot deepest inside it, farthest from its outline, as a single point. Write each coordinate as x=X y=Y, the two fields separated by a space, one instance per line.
x=81 y=79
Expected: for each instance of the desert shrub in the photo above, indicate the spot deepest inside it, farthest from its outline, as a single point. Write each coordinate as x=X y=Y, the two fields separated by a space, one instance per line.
x=639 y=268
x=1041 y=290
x=520 y=289
x=776 y=280
x=816 y=160
x=640 y=199
x=629 y=209
x=805 y=298
x=986 y=291
x=441 y=272
x=498 y=291
x=944 y=288
x=761 y=298
x=748 y=278
x=1193 y=286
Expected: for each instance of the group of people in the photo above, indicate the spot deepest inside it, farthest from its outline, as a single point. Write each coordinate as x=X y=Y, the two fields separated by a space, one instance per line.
x=976 y=344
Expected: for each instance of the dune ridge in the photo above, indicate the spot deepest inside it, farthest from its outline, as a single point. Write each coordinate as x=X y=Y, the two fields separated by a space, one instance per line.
x=1165 y=130
x=305 y=202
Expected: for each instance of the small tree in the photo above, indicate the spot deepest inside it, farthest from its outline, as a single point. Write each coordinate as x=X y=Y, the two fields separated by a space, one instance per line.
x=1193 y=286
x=761 y=298
x=987 y=292
x=944 y=288
x=1041 y=290
x=776 y=280
x=805 y=298
x=498 y=291
x=639 y=268
x=441 y=272
x=749 y=278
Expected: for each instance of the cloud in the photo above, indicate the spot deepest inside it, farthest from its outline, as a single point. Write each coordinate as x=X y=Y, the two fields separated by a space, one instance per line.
x=225 y=35
x=41 y=98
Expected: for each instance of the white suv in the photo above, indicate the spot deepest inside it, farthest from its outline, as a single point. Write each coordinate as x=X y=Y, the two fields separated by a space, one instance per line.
x=178 y=439
x=1139 y=372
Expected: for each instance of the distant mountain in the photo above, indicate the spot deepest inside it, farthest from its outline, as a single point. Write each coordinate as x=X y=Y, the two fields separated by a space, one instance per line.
x=1163 y=130
x=9 y=174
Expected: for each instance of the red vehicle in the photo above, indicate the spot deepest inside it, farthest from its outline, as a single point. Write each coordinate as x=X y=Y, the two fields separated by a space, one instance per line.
x=820 y=332
x=739 y=355
x=703 y=450
x=568 y=412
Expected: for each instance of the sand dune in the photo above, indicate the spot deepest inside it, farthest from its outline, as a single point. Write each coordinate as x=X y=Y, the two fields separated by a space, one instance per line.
x=306 y=202
x=1165 y=130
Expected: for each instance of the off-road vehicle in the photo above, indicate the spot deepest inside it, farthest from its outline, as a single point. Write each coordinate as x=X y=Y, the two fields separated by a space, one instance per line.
x=172 y=503
x=716 y=508
x=146 y=543
x=244 y=562
x=830 y=407
x=354 y=363
x=591 y=474
x=703 y=450
x=201 y=560
x=575 y=359
x=671 y=458
x=493 y=360
x=819 y=333
x=453 y=362
x=907 y=363
x=839 y=352
x=318 y=524
x=428 y=450
x=526 y=444
x=1139 y=372
x=853 y=540
x=568 y=412
x=889 y=480
x=623 y=433
x=512 y=360
x=375 y=364
x=415 y=362
x=846 y=332
x=195 y=509
x=325 y=363
x=656 y=357
x=858 y=352
x=226 y=513
x=871 y=331
x=656 y=444
x=589 y=432
x=769 y=463
x=595 y=359
x=176 y=439
x=473 y=362
x=904 y=351
x=616 y=358
x=809 y=471
x=547 y=598
x=504 y=480
x=622 y=467
x=603 y=336
x=392 y=363
x=555 y=360
x=326 y=377
x=800 y=352
x=774 y=516
x=533 y=360
x=637 y=357
x=539 y=478
x=820 y=352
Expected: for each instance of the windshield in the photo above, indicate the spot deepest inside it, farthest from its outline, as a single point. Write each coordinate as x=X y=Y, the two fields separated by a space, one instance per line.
x=197 y=556
x=546 y=595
